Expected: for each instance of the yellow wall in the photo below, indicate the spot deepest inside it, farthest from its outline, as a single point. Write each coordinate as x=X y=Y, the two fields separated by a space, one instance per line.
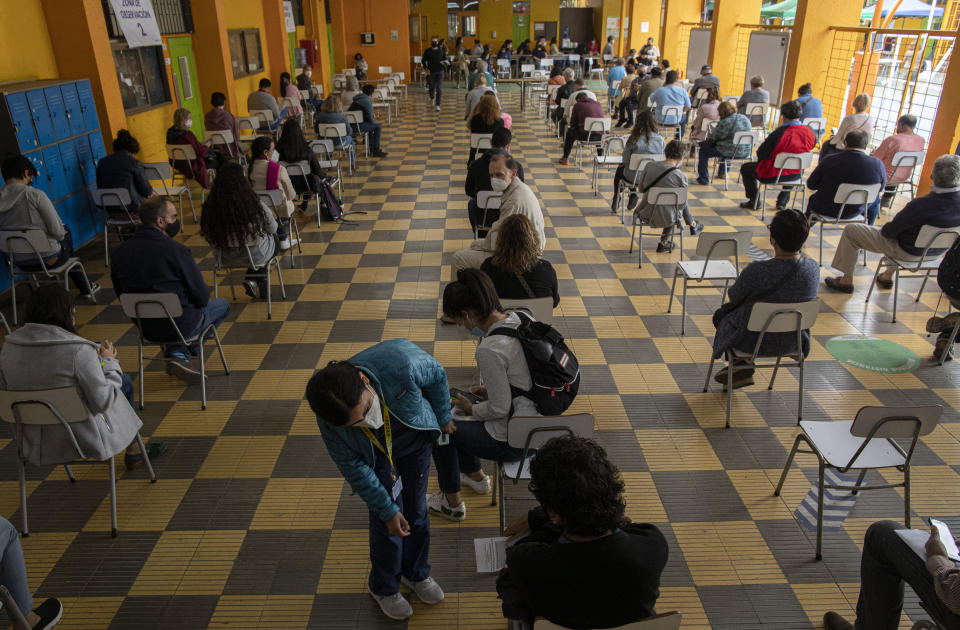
x=644 y=11
x=249 y=14
x=543 y=11
x=23 y=28
x=727 y=14
x=150 y=130
x=495 y=15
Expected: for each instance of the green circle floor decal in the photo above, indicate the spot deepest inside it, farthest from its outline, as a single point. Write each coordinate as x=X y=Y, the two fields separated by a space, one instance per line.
x=873 y=353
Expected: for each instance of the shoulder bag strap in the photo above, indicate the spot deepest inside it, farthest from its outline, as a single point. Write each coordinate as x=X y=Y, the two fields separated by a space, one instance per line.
x=659 y=177
x=526 y=287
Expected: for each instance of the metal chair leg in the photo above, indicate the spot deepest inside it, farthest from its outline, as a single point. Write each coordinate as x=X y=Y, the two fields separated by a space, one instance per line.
x=69 y=471
x=729 y=388
x=113 y=497
x=683 y=312
x=896 y=292
x=673 y=287
x=775 y=369
x=819 y=555
x=203 y=374
x=146 y=458
x=140 y=377
x=706 y=383
x=23 y=493
x=786 y=467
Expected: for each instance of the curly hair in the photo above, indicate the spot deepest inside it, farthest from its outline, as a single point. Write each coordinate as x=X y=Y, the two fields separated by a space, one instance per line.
x=232 y=214
x=518 y=246
x=488 y=109
x=645 y=126
x=180 y=117
x=572 y=478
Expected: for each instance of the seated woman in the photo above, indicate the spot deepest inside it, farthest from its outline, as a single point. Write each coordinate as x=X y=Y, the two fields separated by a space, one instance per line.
x=787 y=277
x=485 y=118
x=644 y=139
x=47 y=353
x=719 y=142
x=235 y=222
x=665 y=174
x=293 y=147
x=516 y=269
x=265 y=173
x=121 y=169
x=331 y=113
x=351 y=89
x=472 y=302
x=859 y=120
x=556 y=76
x=289 y=90
x=180 y=133
x=706 y=111
x=583 y=563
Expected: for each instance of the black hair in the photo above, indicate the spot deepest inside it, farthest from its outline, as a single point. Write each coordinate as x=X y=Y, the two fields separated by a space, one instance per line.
x=508 y=160
x=334 y=392
x=257 y=147
x=265 y=83
x=52 y=305
x=573 y=478
x=908 y=120
x=791 y=110
x=804 y=89
x=579 y=82
x=368 y=89
x=675 y=150
x=609 y=38
x=501 y=138
x=14 y=166
x=656 y=71
x=555 y=71
x=472 y=291
x=292 y=145
x=789 y=229
x=671 y=76
x=218 y=99
x=583 y=96
x=284 y=82
x=665 y=63
x=151 y=209
x=856 y=139
x=126 y=142
x=232 y=212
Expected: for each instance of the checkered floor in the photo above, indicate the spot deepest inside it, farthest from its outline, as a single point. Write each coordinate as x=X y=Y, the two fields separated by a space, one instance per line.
x=250 y=524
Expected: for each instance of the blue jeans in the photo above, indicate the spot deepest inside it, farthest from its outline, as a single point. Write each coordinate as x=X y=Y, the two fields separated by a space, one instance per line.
x=374 y=130
x=13 y=569
x=215 y=312
x=126 y=387
x=468 y=444
x=873 y=210
x=274 y=125
x=391 y=556
x=707 y=151
x=66 y=251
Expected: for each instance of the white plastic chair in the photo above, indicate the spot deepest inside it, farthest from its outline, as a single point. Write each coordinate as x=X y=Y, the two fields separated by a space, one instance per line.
x=356 y=117
x=247 y=123
x=592 y=126
x=638 y=161
x=715 y=248
x=847 y=195
x=336 y=132
x=731 y=98
x=163 y=172
x=261 y=270
x=660 y=195
x=486 y=200
x=481 y=142
x=783 y=162
x=865 y=443
x=323 y=149
x=526 y=69
x=818 y=126
x=503 y=69
x=266 y=118
x=929 y=238
x=740 y=138
x=112 y=199
x=672 y=110
x=610 y=144
x=224 y=138
x=767 y=318
x=906 y=159
x=541 y=308
x=62 y=407
x=757 y=109
x=274 y=200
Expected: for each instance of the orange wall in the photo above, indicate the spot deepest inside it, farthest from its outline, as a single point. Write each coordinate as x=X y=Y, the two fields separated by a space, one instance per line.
x=23 y=28
x=351 y=17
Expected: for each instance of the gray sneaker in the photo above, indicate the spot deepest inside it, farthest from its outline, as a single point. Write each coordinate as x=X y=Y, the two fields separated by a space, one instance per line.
x=437 y=504
x=427 y=590
x=394 y=606
x=182 y=370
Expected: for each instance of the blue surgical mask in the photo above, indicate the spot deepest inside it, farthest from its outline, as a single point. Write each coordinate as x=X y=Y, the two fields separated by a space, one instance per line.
x=476 y=332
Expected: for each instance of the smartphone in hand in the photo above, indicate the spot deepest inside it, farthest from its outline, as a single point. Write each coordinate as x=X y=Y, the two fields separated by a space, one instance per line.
x=473 y=398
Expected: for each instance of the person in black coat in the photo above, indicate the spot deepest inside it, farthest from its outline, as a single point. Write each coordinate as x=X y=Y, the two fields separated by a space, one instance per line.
x=516 y=269
x=850 y=166
x=293 y=147
x=583 y=564
x=478 y=177
x=121 y=169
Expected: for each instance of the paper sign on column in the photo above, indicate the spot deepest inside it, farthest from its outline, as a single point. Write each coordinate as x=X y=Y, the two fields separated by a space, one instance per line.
x=288 y=16
x=138 y=22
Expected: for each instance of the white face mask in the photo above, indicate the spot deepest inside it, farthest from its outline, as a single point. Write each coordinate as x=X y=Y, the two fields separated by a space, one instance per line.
x=498 y=185
x=275 y=156
x=374 y=418
x=309 y=73
x=189 y=124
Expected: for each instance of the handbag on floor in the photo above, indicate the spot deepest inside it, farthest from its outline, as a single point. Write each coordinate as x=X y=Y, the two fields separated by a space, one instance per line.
x=330 y=207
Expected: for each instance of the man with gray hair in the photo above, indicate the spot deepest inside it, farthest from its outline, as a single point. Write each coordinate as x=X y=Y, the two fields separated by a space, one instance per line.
x=481 y=71
x=756 y=94
x=897 y=239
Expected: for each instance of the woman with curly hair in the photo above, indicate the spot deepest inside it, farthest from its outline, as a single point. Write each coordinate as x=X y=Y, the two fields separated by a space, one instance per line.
x=516 y=269
x=235 y=222
x=583 y=564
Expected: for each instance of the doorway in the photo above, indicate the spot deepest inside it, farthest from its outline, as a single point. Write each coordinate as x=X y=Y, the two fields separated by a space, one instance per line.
x=185 y=80
x=521 y=28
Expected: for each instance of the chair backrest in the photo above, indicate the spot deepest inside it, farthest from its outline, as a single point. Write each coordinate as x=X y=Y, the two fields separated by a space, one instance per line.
x=666 y=621
x=289 y=101
x=349 y=72
x=322 y=148
x=757 y=109
x=612 y=142
x=817 y=125
x=338 y=83
x=595 y=125
x=151 y=305
x=488 y=200
x=220 y=136
x=671 y=110
x=503 y=63
x=297 y=169
x=897 y=422
x=534 y=432
x=856 y=194
x=528 y=67
x=785 y=161
x=273 y=198
x=664 y=195
x=745 y=138
x=608 y=57
x=332 y=130
x=908 y=159
x=773 y=317
x=354 y=116
x=248 y=123
x=24 y=242
x=932 y=237
x=573 y=57
x=639 y=160
x=546 y=63
x=714 y=245
x=181 y=152
x=707 y=123
x=41 y=406
x=417 y=59
x=731 y=98
x=540 y=308
x=481 y=140
x=385 y=70
x=701 y=94
x=551 y=90
x=113 y=197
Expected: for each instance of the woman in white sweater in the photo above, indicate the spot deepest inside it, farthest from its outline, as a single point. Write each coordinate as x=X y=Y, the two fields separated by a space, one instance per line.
x=860 y=120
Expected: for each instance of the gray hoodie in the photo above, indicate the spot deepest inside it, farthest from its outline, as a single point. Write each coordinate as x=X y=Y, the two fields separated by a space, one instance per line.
x=23 y=206
x=42 y=356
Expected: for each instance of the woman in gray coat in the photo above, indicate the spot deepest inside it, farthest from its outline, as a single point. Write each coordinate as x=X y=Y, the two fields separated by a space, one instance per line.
x=47 y=353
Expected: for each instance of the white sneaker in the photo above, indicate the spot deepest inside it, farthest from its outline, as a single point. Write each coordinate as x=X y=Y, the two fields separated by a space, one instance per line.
x=394 y=606
x=285 y=243
x=437 y=503
x=438 y=108
x=480 y=487
x=427 y=590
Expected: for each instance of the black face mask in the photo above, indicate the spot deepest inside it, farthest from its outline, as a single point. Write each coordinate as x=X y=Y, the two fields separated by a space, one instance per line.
x=434 y=44
x=172 y=229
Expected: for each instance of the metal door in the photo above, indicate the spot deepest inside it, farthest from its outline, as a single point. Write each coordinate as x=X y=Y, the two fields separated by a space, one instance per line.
x=185 y=80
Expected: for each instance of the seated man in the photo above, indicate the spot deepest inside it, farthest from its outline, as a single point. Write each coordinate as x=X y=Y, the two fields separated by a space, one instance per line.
x=305 y=84
x=897 y=238
x=648 y=87
x=756 y=94
x=583 y=564
x=563 y=93
x=671 y=94
x=219 y=119
x=850 y=166
x=904 y=140
x=473 y=96
x=153 y=262
x=579 y=87
x=792 y=136
x=705 y=81
x=666 y=174
x=886 y=564
x=369 y=125
x=584 y=108
x=478 y=177
x=517 y=198
x=263 y=99
x=23 y=206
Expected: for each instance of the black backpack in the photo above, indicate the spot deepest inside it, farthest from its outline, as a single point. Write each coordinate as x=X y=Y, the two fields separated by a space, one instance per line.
x=330 y=207
x=553 y=367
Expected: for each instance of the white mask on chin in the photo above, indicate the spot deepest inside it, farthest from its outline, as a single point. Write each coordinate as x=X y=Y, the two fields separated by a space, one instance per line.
x=374 y=418
x=275 y=156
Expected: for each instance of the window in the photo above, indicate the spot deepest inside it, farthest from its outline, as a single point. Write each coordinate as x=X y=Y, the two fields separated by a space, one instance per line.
x=142 y=76
x=173 y=16
x=469 y=25
x=297 y=6
x=471 y=5
x=245 y=53
x=452 y=24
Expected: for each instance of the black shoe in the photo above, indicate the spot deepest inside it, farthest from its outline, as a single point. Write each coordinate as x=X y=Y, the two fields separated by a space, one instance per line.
x=378 y=153
x=49 y=612
x=696 y=229
x=182 y=370
x=833 y=621
x=749 y=205
x=834 y=283
x=94 y=287
x=664 y=247
x=252 y=289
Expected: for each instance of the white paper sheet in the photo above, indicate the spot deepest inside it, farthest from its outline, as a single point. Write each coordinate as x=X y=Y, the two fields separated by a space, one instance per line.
x=491 y=553
x=917 y=539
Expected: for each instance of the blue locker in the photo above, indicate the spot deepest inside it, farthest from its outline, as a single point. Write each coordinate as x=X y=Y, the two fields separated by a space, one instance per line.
x=40 y=181
x=58 y=115
x=96 y=145
x=22 y=121
x=85 y=158
x=71 y=166
x=87 y=105
x=54 y=166
x=40 y=116
x=71 y=102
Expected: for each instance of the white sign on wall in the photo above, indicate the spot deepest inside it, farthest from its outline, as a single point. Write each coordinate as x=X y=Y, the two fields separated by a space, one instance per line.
x=288 y=17
x=138 y=22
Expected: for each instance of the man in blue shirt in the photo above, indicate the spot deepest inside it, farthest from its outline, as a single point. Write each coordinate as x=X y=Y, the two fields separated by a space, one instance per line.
x=614 y=76
x=812 y=106
x=671 y=94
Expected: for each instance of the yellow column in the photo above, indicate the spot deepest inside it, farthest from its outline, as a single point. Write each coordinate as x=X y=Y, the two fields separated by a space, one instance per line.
x=946 y=126
x=621 y=40
x=675 y=13
x=644 y=11
x=212 y=50
x=278 y=44
x=315 y=23
x=81 y=46
x=727 y=14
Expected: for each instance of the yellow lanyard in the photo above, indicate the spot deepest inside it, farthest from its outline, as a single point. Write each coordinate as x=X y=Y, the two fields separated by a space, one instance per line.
x=387 y=433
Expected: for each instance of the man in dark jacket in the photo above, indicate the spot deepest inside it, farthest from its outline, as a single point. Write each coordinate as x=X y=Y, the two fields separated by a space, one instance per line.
x=435 y=62
x=478 y=178
x=792 y=136
x=362 y=102
x=153 y=262
x=850 y=166
x=585 y=108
